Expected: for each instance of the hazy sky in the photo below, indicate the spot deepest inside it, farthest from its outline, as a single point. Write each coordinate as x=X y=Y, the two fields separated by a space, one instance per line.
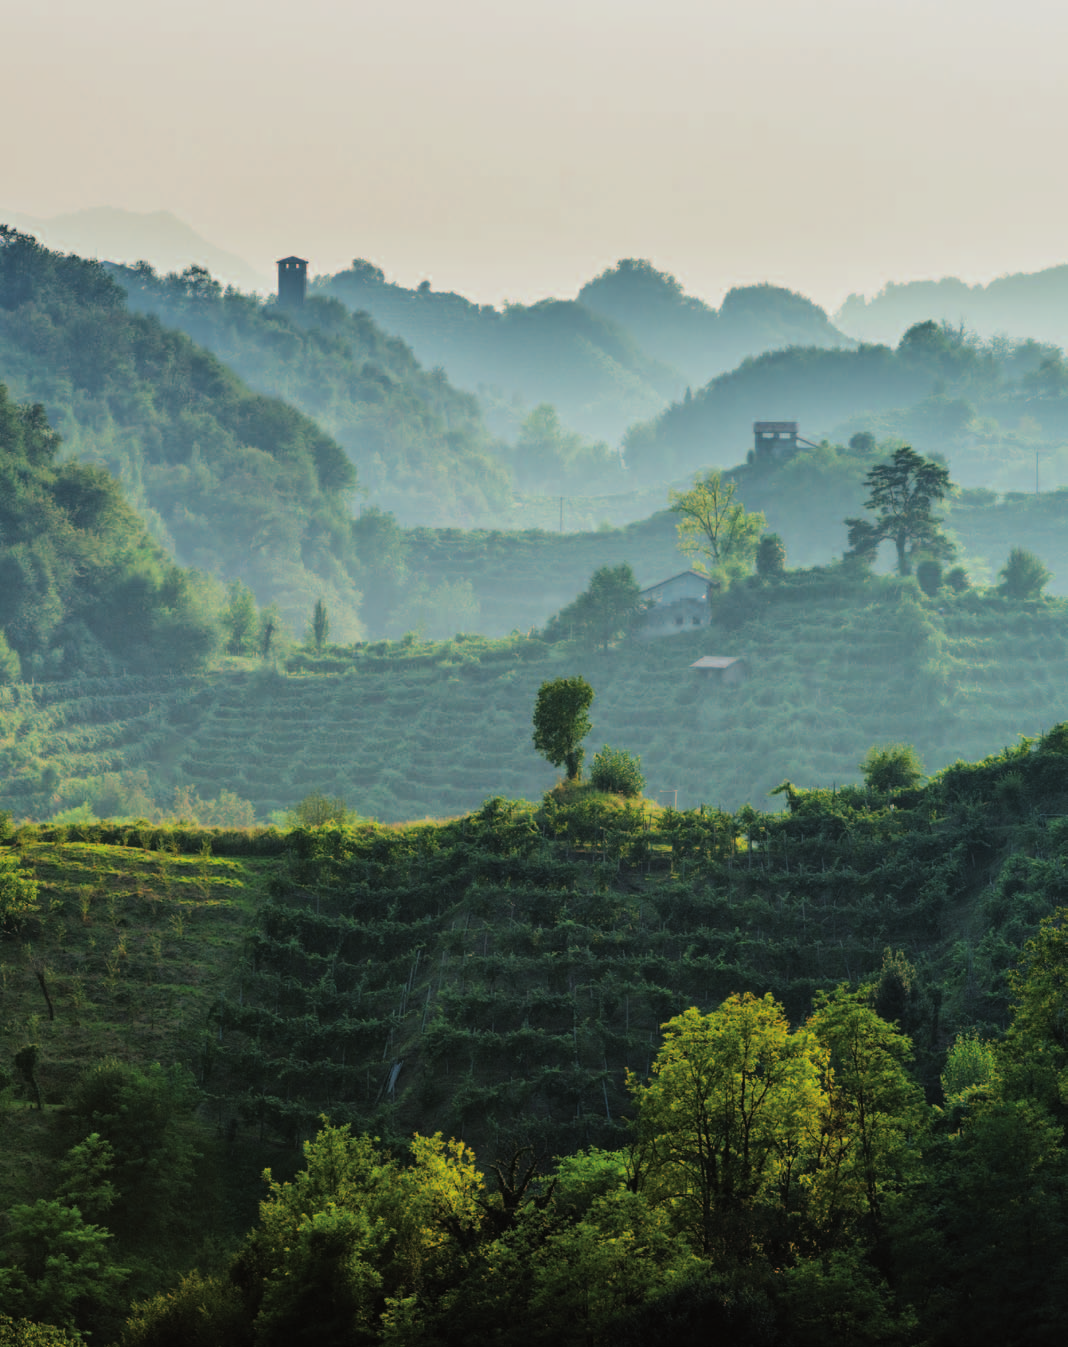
x=512 y=151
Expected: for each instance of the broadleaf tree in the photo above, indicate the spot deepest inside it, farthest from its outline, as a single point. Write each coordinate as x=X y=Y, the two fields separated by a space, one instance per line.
x=715 y=530
x=561 y=722
x=605 y=610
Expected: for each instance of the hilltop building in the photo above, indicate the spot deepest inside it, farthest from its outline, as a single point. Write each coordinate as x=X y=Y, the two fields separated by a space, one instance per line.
x=677 y=604
x=292 y=282
x=776 y=439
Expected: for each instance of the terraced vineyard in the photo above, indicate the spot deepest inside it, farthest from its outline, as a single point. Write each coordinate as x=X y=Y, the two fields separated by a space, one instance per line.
x=132 y=941
x=497 y=977
x=409 y=731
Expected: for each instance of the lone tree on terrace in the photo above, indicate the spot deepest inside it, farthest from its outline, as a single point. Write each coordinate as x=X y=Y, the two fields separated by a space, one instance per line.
x=561 y=722
x=901 y=495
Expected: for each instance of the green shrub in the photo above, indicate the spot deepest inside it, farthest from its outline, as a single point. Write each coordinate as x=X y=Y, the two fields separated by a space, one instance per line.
x=892 y=767
x=929 y=576
x=1023 y=576
x=18 y=894
x=617 y=771
x=318 y=809
x=770 y=556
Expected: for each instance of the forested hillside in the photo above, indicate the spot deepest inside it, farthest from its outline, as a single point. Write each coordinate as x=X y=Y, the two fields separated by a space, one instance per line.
x=84 y=590
x=976 y=404
x=557 y=352
x=419 y=445
x=228 y=480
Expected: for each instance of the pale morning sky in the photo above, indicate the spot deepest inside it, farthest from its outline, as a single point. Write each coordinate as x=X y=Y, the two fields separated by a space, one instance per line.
x=514 y=151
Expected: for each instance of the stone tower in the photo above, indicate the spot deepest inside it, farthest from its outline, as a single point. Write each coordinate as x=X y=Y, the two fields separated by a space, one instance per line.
x=292 y=281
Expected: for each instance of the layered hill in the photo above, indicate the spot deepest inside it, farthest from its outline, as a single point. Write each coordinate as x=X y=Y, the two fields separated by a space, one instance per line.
x=946 y=393
x=400 y=731
x=419 y=444
x=110 y=234
x=630 y=342
x=560 y=352
x=228 y=480
x=1024 y=304
x=696 y=339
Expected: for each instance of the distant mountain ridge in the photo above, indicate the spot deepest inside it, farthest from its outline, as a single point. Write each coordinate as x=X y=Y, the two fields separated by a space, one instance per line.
x=620 y=353
x=1024 y=304
x=693 y=337
x=110 y=234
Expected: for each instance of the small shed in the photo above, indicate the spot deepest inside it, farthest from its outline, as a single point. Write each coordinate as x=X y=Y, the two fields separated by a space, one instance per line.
x=679 y=603
x=721 y=668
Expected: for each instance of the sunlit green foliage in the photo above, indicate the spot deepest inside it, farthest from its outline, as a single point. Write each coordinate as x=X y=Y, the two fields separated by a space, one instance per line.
x=716 y=531
x=317 y=809
x=617 y=771
x=18 y=893
x=971 y=1062
x=890 y=767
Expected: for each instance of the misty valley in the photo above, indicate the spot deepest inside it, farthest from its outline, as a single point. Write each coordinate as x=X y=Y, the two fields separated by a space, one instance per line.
x=539 y=824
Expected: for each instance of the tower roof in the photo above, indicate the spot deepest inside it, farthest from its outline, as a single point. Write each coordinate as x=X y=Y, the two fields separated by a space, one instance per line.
x=302 y=260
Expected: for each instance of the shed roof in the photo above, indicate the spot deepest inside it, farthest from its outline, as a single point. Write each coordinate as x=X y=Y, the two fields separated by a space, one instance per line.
x=661 y=583
x=716 y=661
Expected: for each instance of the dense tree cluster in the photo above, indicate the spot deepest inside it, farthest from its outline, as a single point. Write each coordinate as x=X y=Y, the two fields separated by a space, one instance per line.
x=83 y=588
x=783 y=1184
x=229 y=481
x=418 y=443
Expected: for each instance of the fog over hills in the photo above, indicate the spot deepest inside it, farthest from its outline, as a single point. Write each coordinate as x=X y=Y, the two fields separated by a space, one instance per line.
x=630 y=343
x=1024 y=304
x=113 y=235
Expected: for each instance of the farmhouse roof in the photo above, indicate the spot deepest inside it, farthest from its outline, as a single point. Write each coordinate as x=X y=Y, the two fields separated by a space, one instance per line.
x=661 y=583
x=716 y=661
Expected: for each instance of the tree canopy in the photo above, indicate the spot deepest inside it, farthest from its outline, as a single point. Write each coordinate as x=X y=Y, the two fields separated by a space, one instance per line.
x=714 y=528
x=606 y=608
x=561 y=722
x=83 y=587
x=902 y=492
